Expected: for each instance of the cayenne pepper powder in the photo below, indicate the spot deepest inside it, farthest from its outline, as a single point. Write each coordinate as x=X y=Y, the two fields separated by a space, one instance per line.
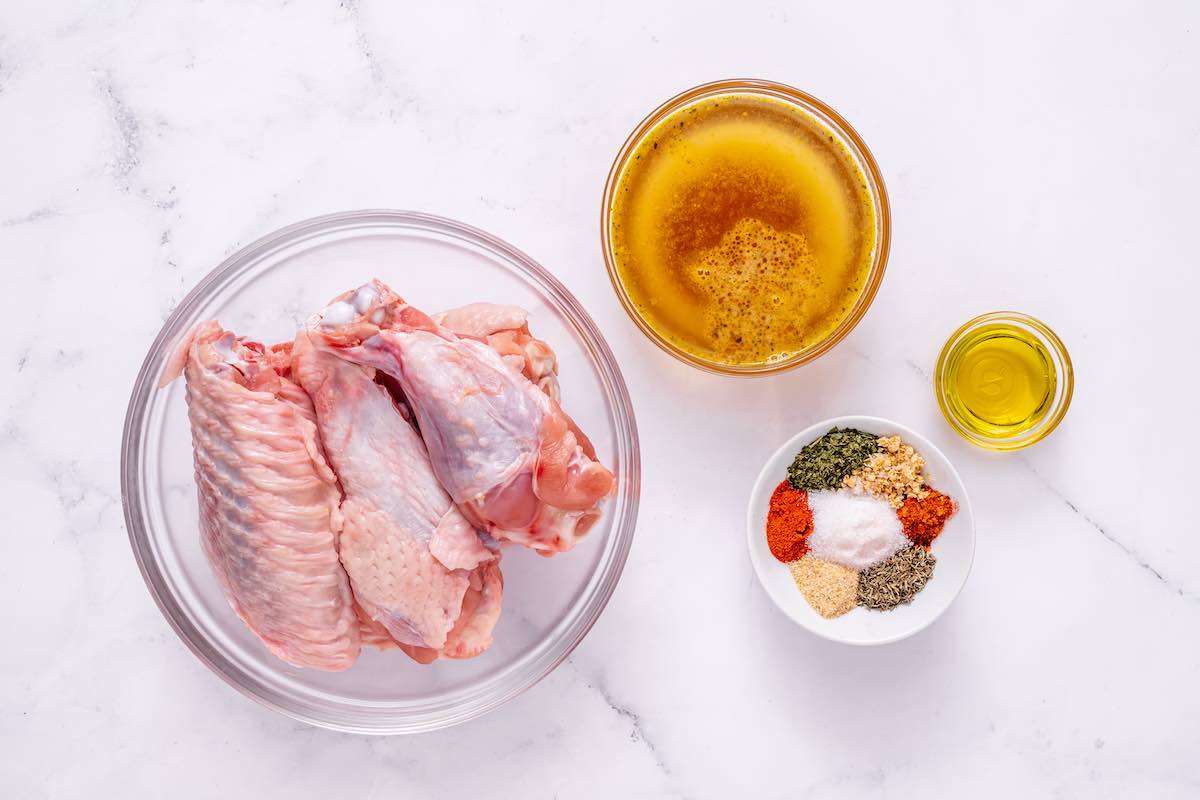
x=789 y=522
x=924 y=518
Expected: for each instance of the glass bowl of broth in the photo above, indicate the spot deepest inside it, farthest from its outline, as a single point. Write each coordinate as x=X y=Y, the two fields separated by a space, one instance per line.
x=745 y=227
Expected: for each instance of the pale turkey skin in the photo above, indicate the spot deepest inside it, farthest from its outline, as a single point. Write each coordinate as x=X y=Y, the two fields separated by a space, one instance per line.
x=417 y=567
x=268 y=500
x=512 y=460
x=506 y=330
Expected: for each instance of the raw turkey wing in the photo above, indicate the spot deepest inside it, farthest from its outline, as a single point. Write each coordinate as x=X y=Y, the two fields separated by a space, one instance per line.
x=512 y=460
x=268 y=500
x=506 y=330
x=417 y=567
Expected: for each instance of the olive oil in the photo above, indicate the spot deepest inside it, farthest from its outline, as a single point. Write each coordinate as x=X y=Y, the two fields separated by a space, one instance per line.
x=742 y=229
x=999 y=381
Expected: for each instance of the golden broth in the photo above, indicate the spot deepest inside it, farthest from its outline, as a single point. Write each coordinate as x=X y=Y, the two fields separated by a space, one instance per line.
x=742 y=230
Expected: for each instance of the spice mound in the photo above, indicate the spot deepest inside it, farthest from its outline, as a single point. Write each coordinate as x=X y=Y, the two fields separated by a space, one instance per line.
x=854 y=530
x=788 y=523
x=826 y=462
x=924 y=518
x=896 y=580
x=831 y=589
x=895 y=473
x=855 y=522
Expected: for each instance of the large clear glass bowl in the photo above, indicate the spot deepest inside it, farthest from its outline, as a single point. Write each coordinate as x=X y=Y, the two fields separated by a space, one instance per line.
x=265 y=291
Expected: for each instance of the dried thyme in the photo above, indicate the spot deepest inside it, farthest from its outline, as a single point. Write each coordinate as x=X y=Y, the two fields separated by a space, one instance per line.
x=825 y=462
x=895 y=580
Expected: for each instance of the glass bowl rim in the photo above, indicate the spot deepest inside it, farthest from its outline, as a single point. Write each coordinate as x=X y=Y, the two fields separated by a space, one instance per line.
x=490 y=693
x=1062 y=399
x=859 y=150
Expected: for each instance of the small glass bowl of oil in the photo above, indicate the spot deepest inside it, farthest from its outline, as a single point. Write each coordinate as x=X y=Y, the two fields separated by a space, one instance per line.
x=1004 y=381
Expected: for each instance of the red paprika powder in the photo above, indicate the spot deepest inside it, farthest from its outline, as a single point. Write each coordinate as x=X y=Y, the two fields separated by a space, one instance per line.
x=924 y=519
x=789 y=521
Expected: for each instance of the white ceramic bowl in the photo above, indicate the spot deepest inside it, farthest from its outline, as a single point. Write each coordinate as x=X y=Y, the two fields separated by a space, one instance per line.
x=954 y=548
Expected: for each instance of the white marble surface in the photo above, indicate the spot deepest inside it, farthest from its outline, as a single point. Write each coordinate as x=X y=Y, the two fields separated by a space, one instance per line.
x=1039 y=156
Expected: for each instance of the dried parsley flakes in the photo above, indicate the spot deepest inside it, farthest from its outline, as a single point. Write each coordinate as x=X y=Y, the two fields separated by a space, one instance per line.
x=825 y=462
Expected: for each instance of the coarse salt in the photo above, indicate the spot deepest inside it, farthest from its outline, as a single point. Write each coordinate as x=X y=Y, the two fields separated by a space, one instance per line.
x=853 y=529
